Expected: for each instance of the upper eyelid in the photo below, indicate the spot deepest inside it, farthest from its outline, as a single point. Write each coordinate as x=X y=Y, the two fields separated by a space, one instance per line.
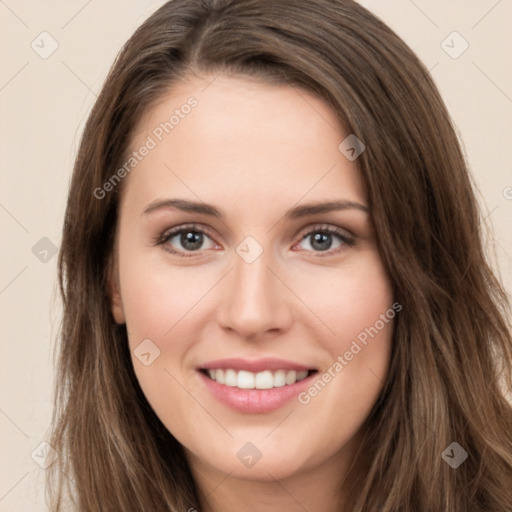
x=192 y=227
x=329 y=228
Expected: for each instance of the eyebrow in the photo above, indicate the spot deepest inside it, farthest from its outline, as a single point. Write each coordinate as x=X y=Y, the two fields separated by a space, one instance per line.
x=294 y=213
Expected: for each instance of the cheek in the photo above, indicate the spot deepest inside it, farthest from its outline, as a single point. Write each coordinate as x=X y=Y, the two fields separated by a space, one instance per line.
x=347 y=299
x=358 y=309
x=165 y=305
x=156 y=297
x=159 y=304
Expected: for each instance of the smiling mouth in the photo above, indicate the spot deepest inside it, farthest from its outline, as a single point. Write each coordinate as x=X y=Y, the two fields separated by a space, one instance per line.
x=267 y=379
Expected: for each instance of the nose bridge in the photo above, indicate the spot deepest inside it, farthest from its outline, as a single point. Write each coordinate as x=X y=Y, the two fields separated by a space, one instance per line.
x=255 y=299
x=251 y=280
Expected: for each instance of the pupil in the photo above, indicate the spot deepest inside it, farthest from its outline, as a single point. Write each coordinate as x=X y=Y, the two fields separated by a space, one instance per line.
x=192 y=240
x=321 y=241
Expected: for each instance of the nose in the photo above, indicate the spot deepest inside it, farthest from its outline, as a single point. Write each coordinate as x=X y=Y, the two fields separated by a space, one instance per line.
x=254 y=301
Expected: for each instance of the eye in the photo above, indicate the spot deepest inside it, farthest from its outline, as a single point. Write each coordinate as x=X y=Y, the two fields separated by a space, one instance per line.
x=326 y=239
x=186 y=239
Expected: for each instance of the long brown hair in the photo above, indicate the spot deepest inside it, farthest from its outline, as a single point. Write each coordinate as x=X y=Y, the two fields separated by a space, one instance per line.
x=451 y=364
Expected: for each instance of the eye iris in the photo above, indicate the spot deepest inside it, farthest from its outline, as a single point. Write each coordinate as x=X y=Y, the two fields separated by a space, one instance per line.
x=191 y=240
x=321 y=241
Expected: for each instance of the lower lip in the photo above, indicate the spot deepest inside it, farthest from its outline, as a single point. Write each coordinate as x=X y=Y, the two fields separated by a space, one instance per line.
x=255 y=400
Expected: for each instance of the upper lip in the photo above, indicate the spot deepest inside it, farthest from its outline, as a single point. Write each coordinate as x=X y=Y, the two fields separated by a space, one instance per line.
x=254 y=365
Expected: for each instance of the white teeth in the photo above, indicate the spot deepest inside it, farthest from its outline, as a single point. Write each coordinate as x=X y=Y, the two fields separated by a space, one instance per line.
x=266 y=379
x=219 y=376
x=291 y=377
x=230 y=378
x=245 y=380
x=279 y=378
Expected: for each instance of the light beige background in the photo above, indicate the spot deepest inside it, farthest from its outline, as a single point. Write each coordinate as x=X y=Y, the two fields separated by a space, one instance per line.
x=43 y=106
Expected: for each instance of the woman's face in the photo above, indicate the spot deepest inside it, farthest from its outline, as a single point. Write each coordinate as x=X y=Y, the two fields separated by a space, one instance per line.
x=227 y=260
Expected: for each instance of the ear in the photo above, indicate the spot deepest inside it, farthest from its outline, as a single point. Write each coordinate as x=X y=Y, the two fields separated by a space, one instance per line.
x=114 y=291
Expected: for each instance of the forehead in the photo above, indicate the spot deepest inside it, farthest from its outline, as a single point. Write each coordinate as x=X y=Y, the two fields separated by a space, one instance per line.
x=235 y=140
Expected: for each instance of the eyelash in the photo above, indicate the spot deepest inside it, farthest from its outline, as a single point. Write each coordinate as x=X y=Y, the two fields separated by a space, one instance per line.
x=324 y=229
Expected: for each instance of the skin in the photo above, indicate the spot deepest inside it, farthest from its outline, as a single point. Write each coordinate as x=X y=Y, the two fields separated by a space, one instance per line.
x=253 y=151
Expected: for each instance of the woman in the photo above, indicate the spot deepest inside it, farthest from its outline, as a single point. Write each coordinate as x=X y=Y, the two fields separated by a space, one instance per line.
x=275 y=292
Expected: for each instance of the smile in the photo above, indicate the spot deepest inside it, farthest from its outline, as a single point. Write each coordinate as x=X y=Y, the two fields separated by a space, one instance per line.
x=255 y=386
x=266 y=379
